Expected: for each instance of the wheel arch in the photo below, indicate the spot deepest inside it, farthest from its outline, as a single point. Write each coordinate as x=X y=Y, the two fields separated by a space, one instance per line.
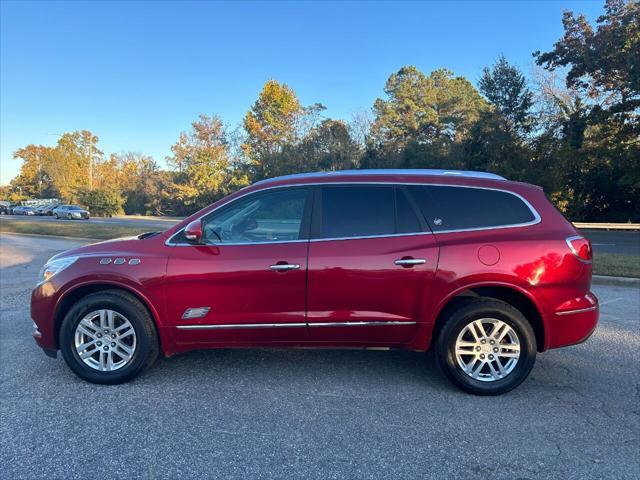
x=511 y=294
x=70 y=297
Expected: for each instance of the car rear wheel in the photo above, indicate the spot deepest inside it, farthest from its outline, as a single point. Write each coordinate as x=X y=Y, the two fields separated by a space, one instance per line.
x=108 y=337
x=486 y=347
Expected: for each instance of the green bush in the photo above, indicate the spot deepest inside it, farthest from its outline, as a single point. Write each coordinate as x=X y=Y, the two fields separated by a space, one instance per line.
x=101 y=202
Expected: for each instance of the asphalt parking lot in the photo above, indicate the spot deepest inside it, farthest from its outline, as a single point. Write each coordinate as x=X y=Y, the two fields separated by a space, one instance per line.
x=314 y=413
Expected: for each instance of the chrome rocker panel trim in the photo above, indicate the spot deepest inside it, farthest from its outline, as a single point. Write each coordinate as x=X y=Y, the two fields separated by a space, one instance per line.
x=288 y=325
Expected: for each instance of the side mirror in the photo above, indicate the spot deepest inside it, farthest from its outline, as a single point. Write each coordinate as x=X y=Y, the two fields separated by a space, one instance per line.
x=193 y=232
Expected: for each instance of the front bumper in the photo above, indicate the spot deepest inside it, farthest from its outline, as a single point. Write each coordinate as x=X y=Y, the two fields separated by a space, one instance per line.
x=43 y=306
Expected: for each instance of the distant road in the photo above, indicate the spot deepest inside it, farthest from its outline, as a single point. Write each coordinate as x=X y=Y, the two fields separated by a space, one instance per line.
x=604 y=241
x=614 y=241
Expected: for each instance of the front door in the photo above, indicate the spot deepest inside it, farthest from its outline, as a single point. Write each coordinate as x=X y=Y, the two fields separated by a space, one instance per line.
x=371 y=265
x=246 y=284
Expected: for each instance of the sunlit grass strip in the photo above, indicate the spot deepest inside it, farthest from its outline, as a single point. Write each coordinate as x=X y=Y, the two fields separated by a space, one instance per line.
x=76 y=229
x=616 y=265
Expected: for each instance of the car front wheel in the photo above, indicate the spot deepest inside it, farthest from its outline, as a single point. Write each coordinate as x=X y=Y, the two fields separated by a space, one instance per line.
x=108 y=337
x=486 y=347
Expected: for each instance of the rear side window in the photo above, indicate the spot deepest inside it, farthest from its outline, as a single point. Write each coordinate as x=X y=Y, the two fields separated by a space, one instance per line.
x=363 y=211
x=354 y=211
x=462 y=208
x=406 y=219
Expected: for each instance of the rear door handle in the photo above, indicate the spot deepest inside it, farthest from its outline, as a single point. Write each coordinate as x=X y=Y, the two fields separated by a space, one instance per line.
x=284 y=267
x=410 y=262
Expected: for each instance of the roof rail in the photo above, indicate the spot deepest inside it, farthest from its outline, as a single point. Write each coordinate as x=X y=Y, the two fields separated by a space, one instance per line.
x=399 y=171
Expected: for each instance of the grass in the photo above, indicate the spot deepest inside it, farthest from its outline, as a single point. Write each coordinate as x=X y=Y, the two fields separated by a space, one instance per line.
x=76 y=228
x=604 y=263
x=616 y=265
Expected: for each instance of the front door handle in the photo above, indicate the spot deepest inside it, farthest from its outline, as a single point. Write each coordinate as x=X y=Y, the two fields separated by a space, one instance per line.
x=410 y=262
x=284 y=267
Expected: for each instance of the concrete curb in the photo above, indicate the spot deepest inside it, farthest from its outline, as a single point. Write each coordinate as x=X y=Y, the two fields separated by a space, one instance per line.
x=618 y=281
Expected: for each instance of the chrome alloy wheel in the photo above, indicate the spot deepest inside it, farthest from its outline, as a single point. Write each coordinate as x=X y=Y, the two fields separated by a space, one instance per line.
x=487 y=349
x=105 y=340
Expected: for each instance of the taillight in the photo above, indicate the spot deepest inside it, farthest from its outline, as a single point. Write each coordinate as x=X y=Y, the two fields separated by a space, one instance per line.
x=581 y=248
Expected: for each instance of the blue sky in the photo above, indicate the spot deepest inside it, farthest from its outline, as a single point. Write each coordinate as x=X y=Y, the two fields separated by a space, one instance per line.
x=136 y=74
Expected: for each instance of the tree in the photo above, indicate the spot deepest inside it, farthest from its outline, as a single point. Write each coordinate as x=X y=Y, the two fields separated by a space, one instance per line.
x=139 y=179
x=421 y=117
x=101 y=201
x=600 y=144
x=327 y=147
x=203 y=160
x=33 y=179
x=72 y=162
x=274 y=125
x=603 y=64
x=506 y=89
x=61 y=170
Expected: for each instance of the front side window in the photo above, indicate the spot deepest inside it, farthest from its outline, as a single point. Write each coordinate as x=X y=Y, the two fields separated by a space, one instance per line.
x=259 y=218
x=464 y=208
x=363 y=211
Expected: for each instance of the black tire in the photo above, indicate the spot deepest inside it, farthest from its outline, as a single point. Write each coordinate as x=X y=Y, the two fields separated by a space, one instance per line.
x=69 y=216
x=57 y=217
x=146 y=351
x=473 y=310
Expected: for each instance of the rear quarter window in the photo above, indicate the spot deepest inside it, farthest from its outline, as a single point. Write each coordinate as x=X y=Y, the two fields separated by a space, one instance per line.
x=463 y=208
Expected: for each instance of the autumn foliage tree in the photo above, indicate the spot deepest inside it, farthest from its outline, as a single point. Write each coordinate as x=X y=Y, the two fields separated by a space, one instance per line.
x=274 y=126
x=203 y=161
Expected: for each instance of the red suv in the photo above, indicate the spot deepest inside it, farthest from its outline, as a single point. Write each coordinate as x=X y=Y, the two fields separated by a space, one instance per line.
x=483 y=269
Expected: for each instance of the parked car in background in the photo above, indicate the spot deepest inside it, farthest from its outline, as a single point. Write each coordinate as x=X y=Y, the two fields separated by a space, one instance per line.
x=46 y=210
x=70 y=212
x=41 y=209
x=6 y=208
x=485 y=271
x=21 y=210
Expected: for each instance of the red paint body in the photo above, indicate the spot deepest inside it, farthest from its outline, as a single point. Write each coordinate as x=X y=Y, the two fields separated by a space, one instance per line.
x=339 y=281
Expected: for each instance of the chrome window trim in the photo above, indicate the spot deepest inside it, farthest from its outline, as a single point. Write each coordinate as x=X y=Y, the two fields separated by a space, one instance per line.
x=234 y=244
x=537 y=219
x=287 y=325
x=388 y=235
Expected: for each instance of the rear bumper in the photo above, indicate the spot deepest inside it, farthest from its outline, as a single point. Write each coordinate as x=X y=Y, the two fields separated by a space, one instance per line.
x=570 y=326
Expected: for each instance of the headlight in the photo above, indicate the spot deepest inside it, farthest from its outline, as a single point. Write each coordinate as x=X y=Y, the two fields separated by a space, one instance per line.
x=54 y=266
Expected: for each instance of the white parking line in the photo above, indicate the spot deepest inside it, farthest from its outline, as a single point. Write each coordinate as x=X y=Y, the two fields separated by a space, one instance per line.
x=606 y=302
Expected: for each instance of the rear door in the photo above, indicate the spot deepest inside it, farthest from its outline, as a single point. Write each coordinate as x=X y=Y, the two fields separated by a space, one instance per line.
x=370 y=267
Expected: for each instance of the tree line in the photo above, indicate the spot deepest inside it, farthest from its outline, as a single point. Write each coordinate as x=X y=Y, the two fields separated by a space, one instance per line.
x=574 y=129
